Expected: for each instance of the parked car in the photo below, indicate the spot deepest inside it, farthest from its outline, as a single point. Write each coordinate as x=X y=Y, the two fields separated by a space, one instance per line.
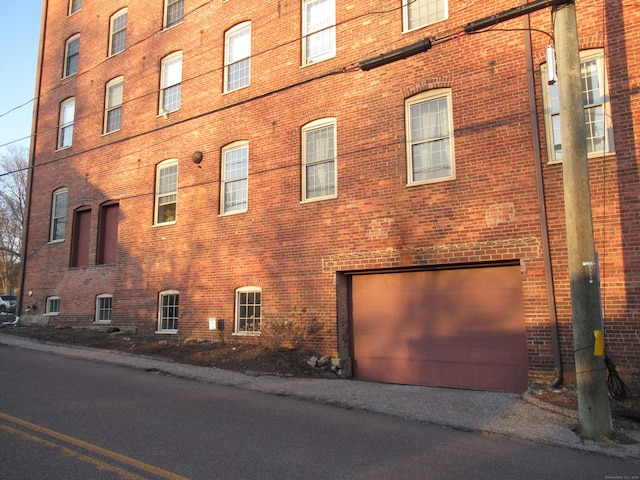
x=7 y=301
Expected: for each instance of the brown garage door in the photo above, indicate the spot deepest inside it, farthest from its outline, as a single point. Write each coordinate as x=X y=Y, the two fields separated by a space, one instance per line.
x=461 y=328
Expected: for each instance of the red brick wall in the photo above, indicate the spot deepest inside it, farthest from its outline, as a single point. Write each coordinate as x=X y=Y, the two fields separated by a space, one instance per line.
x=292 y=250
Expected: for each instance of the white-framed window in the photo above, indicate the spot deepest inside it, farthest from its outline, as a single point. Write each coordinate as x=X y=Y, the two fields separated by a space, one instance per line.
x=318 y=30
x=71 y=56
x=74 y=6
x=59 y=215
x=237 y=57
x=166 y=192
x=104 y=304
x=171 y=82
x=67 y=118
x=173 y=12
x=53 y=306
x=118 y=32
x=599 y=129
x=420 y=13
x=248 y=310
x=168 y=311
x=113 y=105
x=429 y=127
x=319 y=160
x=235 y=177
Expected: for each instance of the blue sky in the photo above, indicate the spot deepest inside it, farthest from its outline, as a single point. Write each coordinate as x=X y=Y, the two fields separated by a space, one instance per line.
x=19 y=37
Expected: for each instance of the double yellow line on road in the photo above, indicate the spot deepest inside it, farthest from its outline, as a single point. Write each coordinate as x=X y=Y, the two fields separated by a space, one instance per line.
x=74 y=447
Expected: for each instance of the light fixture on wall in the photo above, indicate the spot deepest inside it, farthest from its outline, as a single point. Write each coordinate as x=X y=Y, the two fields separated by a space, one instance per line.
x=196 y=157
x=552 y=76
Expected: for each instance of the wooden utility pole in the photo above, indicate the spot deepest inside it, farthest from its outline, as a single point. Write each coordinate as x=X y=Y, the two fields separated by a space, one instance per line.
x=593 y=403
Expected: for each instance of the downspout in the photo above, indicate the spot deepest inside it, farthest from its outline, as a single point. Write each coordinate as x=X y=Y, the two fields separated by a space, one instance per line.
x=542 y=206
x=32 y=151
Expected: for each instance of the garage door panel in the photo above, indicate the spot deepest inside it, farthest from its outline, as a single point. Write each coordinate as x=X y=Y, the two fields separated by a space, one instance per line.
x=479 y=348
x=479 y=376
x=462 y=328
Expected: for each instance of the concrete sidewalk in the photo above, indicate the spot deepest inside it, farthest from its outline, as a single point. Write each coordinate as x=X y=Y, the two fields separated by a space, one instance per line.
x=504 y=414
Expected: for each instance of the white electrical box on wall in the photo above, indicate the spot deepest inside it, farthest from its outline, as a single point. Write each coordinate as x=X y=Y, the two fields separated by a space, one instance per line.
x=213 y=324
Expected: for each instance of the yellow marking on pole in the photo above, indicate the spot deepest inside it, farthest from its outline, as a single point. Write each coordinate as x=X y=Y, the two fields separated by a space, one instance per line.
x=598 y=344
x=90 y=447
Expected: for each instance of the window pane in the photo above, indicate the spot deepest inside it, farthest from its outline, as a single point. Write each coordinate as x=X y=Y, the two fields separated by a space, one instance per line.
x=59 y=220
x=67 y=115
x=169 y=312
x=114 y=109
x=236 y=171
x=238 y=61
x=320 y=162
x=171 y=99
x=425 y=12
x=595 y=128
x=104 y=309
x=594 y=103
x=115 y=95
x=168 y=179
x=319 y=29
x=172 y=71
x=73 y=55
x=171 y=78
x=320 y=180
x=166 y=194
x=430 y=138
x=118 y=33
x=248 y=312
x=175 y=12
x=75 y=6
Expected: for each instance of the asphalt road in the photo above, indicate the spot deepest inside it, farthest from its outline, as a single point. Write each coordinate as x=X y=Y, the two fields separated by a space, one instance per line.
x=64 y=418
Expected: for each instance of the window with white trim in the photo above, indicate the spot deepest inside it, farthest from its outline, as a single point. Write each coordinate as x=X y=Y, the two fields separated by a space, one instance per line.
x=113 y=105
x=59 y=215
x=319 y=160
x=166 y=192
x=173 y=12
x=235 y=173
x=237 y=57
x=420 y=13
x=248 y=310
x=67 y=118
x=74 y=6
x=118 y=32
x=71 y=56
x=318 y=30
x=53 y=306
x=168 y=311
x=599 y=130
x=171 y=83
x=429 y=124
x=104 y=308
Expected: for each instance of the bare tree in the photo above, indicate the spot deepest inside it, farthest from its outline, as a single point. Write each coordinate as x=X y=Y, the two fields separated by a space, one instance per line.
x=13 y=194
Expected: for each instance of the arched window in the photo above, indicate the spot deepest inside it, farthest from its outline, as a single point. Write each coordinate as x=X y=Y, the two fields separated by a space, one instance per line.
x=118 y=32
x=71 y=56
x=235 y=175
x=59 y=215
x=319 y=160
x=166 y=192
x=237 y=57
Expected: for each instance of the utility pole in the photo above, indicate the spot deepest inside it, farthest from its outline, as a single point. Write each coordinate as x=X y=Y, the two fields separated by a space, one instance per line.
x=593 y=403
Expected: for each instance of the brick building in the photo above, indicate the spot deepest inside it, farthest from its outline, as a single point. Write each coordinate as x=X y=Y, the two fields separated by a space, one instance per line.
x=230 y=160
